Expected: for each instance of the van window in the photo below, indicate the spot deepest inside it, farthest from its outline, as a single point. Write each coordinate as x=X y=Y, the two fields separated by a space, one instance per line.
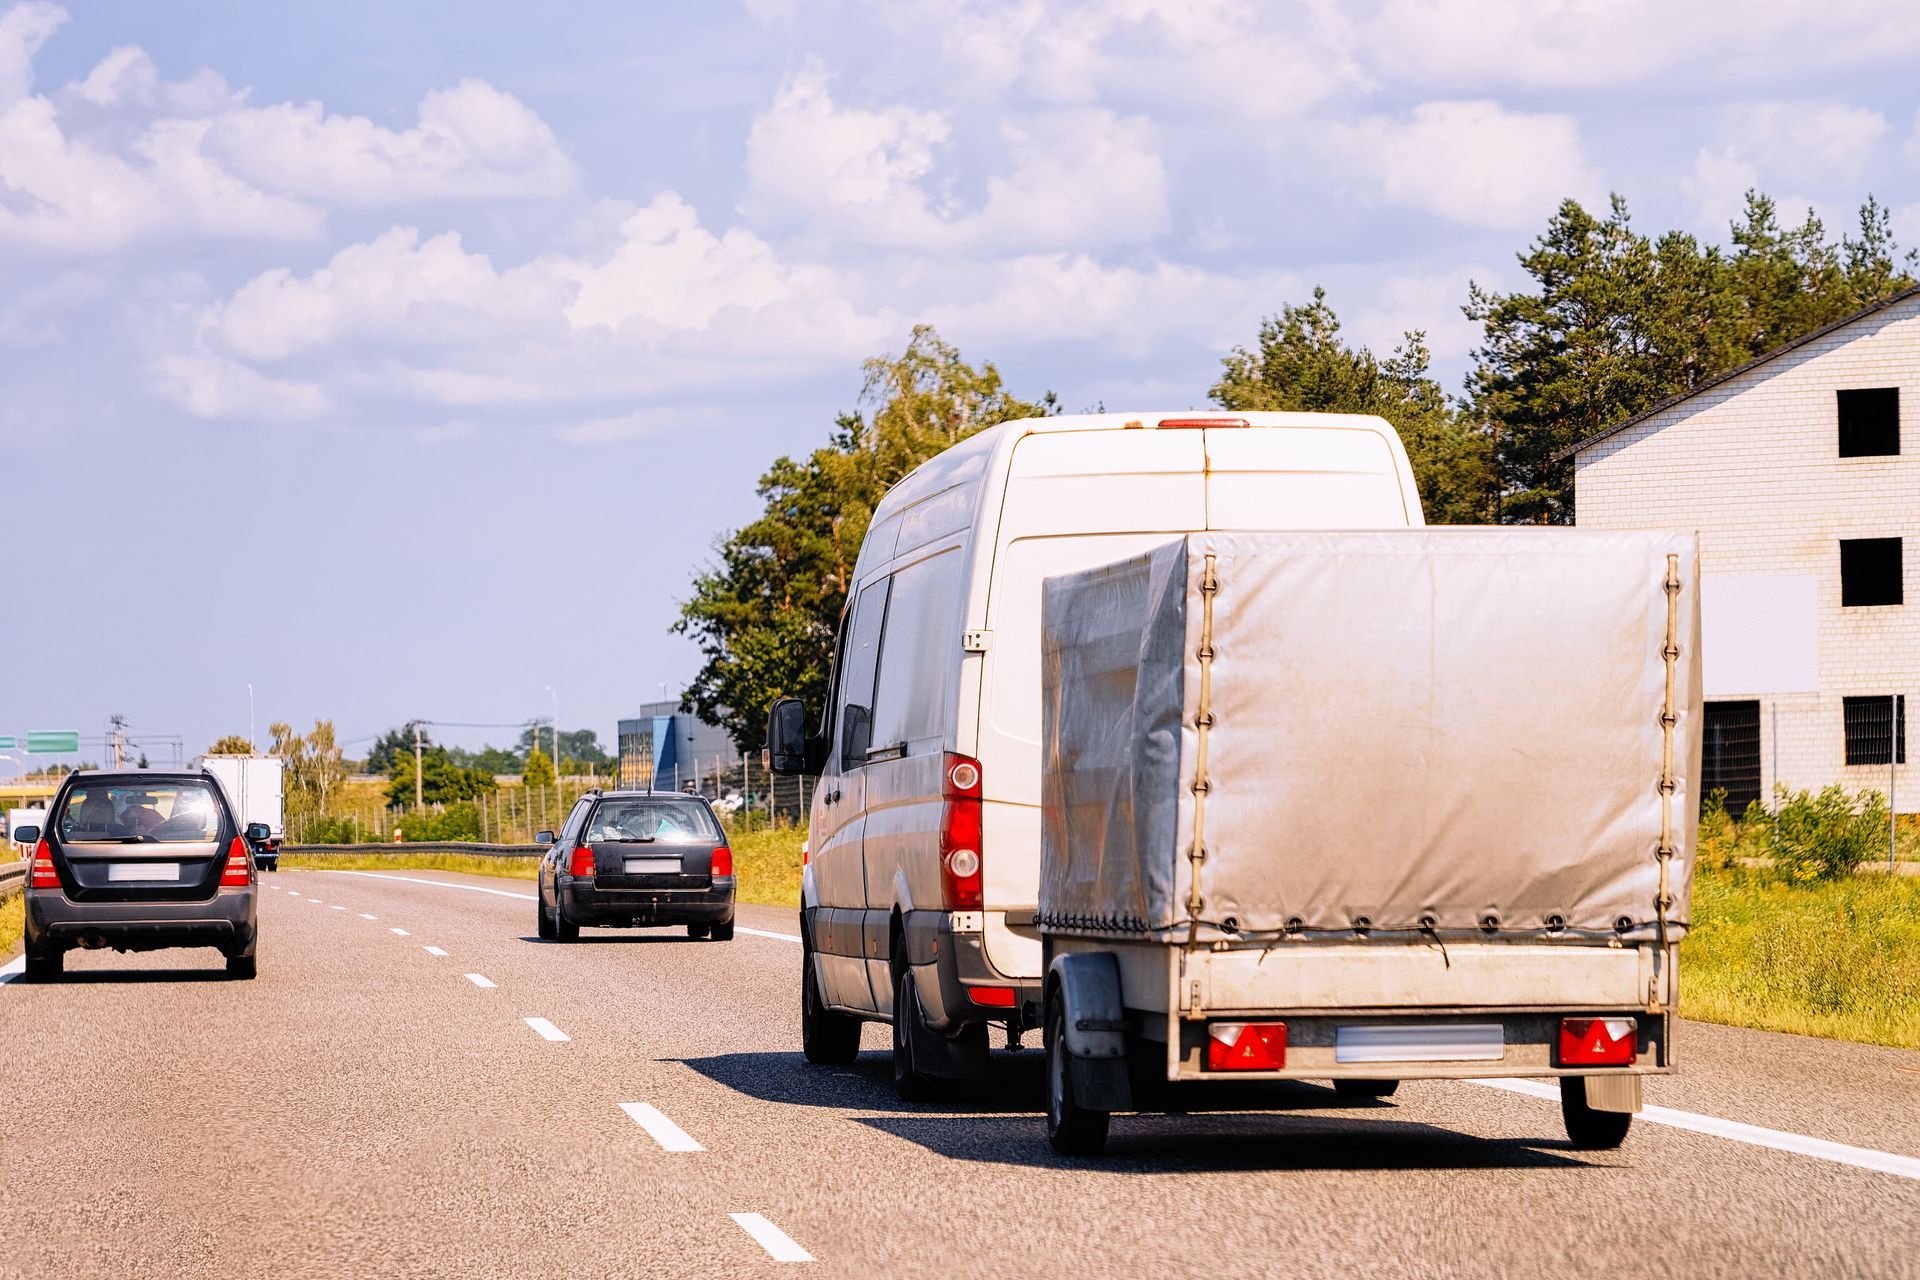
x=911 y=701
x=855 y=717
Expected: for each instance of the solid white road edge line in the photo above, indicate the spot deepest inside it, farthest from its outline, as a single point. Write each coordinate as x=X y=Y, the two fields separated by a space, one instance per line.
x=778 y=1244
x=13 y=968
x=479 y=980
x=762 y=933
x=546 y=1029
x=1753 y=1134
x=444 y=884
x=435 y=951
x=669 y=1135
x=402 y=932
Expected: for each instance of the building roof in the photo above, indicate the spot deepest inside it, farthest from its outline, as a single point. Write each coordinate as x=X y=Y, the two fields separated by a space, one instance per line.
x=1737 y=370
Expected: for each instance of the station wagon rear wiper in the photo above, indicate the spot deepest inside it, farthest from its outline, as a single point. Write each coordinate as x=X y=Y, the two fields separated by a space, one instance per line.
x=628 y=840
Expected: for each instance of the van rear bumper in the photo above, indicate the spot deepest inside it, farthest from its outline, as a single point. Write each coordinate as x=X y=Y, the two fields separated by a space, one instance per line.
x=946 y=964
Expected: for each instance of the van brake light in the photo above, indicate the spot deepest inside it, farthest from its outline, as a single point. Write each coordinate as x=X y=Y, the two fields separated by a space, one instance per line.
x=44 y=876
x=1176 y=424
x=238 y=873
x=960 y=883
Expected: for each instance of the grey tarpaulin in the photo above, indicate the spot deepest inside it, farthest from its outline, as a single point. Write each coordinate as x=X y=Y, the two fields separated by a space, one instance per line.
x=1411 y=728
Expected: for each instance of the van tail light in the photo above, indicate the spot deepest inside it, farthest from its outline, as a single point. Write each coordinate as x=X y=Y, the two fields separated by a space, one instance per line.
x=960 y=833
x=1246 y=1046
x=723 y=861
x=1599 y=1042
x=993 y=997
x=238 y=873
x=1175 y=424
x=44 y=876
x=581 y=862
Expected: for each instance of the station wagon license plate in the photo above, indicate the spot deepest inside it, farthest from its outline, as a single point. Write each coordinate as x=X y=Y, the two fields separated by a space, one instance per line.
x=653 y=866
x=143 y=871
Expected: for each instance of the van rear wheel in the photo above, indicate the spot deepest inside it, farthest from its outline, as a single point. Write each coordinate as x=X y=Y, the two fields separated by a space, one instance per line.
x=1073 y=1130
x=1588 y=1128
x=910 y=1082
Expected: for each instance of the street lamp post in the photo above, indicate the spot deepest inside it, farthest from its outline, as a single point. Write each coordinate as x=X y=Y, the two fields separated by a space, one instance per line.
x=556 y=734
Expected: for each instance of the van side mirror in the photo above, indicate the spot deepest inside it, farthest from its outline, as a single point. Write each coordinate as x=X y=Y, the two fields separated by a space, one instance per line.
x=258 y=833
x=787 y=737
x=26 y=835
x=545 y=837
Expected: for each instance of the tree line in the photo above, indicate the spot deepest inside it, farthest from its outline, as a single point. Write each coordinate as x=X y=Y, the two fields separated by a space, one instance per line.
x=1609 y=322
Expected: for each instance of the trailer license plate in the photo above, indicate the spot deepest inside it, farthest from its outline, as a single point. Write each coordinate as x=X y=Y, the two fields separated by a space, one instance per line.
x=143 y=871
x=653 y=866
x=1435 y=1042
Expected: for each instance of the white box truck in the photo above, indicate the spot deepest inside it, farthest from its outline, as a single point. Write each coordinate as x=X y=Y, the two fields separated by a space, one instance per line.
x=1362 y=807
x=256 y=788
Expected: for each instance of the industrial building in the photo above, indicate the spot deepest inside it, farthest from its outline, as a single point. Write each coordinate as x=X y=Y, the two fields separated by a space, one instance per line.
x=663 y=747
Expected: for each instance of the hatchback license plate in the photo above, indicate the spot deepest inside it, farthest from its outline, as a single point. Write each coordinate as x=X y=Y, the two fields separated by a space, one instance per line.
x=653 y=866
x=143 y=871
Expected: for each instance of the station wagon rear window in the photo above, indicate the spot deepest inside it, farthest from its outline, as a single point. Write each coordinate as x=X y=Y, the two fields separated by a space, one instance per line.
x=650 y=820
x=150 y=813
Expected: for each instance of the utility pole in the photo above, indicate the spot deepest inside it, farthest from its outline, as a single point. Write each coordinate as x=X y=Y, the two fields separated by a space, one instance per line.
x=419 y=782
x=118 y=739
x=253 y=744
x=556 y=733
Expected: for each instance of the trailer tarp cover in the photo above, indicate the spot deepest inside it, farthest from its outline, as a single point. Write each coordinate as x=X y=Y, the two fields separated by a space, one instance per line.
x=1427 y=731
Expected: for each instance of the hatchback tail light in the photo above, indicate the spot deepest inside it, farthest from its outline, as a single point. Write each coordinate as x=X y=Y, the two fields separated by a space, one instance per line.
x=44 y=876
x=1598 y=1042
x=238 y=873
x=581 y=863
x=1246 y=1046
x=723 y=861
x=960 y=834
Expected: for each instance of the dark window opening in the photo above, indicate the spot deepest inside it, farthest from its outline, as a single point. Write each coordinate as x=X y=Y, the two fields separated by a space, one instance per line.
x=1869 y=422
x=1730 y=755
x=1871 y=723
x=1870 y=571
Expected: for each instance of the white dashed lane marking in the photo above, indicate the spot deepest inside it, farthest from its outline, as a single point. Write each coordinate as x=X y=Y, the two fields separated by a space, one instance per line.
x=669 y=1135
x=402 y=932
x=479 y=980
x=779 y=1245
x=365 y=916
x=434 y=951
x=546 y=1030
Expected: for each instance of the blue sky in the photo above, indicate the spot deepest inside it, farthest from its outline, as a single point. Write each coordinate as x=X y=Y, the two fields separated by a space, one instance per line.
x=404 y=366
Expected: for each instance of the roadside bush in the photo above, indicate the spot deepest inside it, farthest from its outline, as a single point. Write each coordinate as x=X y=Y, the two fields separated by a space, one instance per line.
x=327 y=831
x=1825 y=836
x=456 y=822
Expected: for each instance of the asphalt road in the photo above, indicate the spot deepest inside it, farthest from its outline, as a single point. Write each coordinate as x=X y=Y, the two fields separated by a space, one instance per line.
x=367 y=1108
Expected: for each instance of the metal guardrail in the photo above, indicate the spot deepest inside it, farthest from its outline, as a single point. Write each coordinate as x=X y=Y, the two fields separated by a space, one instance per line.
x=13 y=877
x=417 y=846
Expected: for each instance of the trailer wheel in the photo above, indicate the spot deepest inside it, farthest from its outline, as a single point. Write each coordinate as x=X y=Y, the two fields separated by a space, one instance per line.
x=1073 y=1130
x=1588 y=1128
x=1366 y=1088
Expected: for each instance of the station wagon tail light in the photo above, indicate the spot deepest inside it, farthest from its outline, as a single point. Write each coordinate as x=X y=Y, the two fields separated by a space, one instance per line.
x=1176 y=424
x=1246 y=1046
x=723 y=861
x=581 y=863
x=993 y=997
x=238 y=872
x=1598 y=1042
x=44 y=876
x=960 y=833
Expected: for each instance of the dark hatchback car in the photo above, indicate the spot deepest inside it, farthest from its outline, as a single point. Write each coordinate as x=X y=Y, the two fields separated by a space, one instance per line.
x=138 y=860
x=629 y=859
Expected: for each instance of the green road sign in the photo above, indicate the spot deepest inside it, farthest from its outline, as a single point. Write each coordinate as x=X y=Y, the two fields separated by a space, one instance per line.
x=52 y=742
x=6 y=742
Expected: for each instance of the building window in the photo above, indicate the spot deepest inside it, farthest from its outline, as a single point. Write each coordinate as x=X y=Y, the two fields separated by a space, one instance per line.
x=1730 y=755
x=1869 y=422
x=1871 y=724
x=1870 y=571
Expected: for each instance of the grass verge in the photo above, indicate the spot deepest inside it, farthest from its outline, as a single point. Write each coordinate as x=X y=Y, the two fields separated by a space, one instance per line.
x=468 y=863
x=1836 y=958
x=13 y=922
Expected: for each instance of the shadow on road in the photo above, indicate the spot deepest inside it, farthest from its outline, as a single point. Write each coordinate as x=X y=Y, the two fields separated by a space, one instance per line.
x=677 y=934
x=1217 y=1127
x=99 y=977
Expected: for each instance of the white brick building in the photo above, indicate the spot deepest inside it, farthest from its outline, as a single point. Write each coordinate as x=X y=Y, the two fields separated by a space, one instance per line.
x=1801 y=470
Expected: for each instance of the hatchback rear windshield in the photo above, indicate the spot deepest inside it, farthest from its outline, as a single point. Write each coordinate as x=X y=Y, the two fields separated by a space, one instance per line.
x=666 y=819
x=147 y=813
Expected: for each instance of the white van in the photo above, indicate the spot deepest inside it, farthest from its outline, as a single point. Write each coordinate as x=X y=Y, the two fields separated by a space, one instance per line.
x=918 y=899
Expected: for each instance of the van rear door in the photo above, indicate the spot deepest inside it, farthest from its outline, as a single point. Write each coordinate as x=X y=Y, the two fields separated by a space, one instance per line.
x=1333 y=477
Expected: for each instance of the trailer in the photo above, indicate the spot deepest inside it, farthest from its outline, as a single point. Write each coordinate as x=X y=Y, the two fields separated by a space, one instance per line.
x=1365 y=807
x=256 y=788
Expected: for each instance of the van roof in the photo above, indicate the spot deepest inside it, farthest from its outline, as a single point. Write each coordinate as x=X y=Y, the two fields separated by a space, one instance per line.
x=967 y=459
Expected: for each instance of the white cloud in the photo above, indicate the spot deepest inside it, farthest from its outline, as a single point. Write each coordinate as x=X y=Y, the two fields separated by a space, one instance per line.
x=1078 y=177
x=1472 y=162
x=211 y=386
x=472 y=142
x=1822 y=147
x=23 y=29
x=125 y=77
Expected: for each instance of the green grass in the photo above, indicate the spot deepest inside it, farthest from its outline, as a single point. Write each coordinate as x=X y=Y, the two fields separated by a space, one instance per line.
x=1836 y=958
x=13 y=922
x=467 y=863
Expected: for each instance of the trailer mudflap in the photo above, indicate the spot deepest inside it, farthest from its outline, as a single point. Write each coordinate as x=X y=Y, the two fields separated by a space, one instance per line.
x=1094 y=1025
